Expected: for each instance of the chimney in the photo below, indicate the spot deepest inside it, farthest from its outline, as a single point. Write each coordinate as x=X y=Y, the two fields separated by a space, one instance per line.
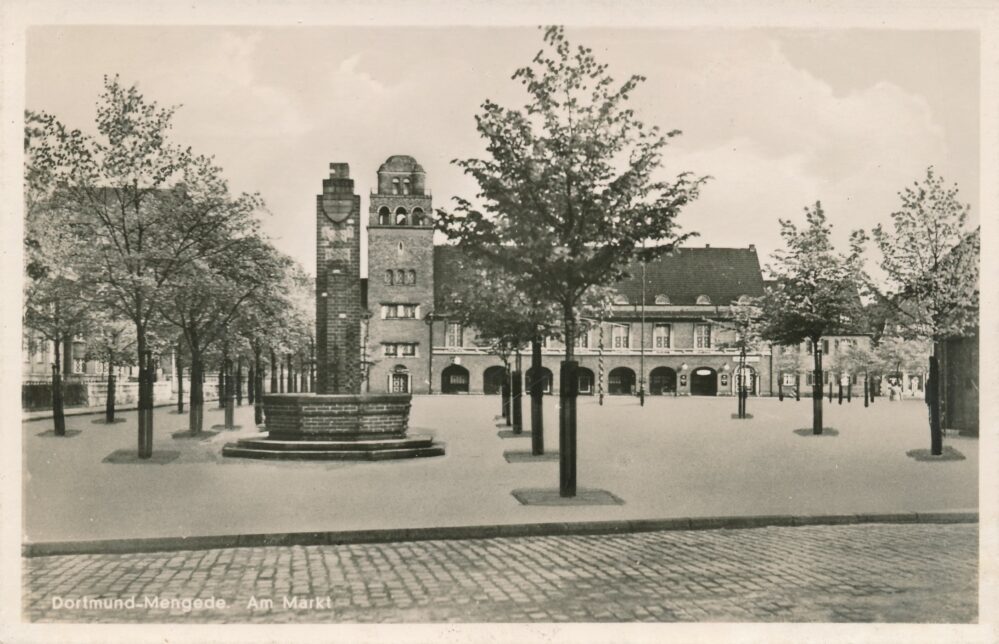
x=707 y=245
x=752 y=247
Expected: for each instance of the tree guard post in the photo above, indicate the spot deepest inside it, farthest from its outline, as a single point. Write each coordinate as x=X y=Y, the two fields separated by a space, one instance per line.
x=516 y=393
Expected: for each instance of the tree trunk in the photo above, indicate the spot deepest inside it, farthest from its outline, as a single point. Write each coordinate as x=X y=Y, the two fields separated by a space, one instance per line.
x=58 y=413
x=145 y=419
x=239 y=380
x=569 y=386
x=196 y=419
x=291 y=374
x=221 y=384
x=180 y=382
x=536 y=388
x=258 y=403
x=867 y=390
x=839 y=386
x=274 y=373
x=817 y=390
x=797 y=386
x=230 y=395
x=517 y=393
x=933 y=401
x=780 y=386
x=251 y=384
x=109 y=400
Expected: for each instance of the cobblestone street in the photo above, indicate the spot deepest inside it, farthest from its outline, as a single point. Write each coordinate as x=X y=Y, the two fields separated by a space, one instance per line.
x=872 y=572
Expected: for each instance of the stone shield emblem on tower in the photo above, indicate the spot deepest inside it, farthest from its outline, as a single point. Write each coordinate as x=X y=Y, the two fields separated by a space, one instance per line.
x=336 y=210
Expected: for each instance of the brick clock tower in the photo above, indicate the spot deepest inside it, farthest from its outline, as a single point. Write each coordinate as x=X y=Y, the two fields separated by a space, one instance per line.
x=400 y=278
x=338 y=421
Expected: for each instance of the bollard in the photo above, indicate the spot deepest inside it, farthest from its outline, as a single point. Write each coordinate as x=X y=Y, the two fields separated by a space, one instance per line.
x=568 y=390
x=840 y=385
x=145 y=406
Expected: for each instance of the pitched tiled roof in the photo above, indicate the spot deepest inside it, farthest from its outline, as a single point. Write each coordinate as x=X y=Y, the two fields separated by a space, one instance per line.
x=723 y=274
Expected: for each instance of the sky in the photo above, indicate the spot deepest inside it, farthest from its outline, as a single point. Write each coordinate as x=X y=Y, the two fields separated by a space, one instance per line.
x=779 y=118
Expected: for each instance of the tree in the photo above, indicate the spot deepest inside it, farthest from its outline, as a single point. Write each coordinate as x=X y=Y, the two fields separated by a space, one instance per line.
x=857 y=358
x=814 y=292
x=744 y=321
x=931 y=262
x=570 y=191
x=141 y=207
x=791 y=360
x=53 y=306
x=895 y=354
x=112 y=343
x=209 y=294
x=485 y=296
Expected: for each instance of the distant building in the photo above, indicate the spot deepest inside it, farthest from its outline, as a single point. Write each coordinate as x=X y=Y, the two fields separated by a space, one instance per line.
x=413 y=346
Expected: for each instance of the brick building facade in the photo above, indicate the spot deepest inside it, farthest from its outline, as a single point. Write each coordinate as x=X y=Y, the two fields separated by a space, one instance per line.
x=677 y=334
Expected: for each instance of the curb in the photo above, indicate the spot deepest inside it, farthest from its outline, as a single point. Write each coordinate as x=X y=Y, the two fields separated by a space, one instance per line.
x=164 y=544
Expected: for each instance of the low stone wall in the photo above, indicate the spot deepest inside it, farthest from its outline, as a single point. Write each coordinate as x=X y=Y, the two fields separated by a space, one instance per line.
x=90 y=392
x=314 y=417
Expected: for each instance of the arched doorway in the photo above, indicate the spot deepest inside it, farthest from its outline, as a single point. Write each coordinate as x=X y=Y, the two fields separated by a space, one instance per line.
x=454 y=380
x=492 y=380
x=546 y=380
x=746 y=375
x=704 y=382
x=586 y=381
x=620 y=381
x=662 y=380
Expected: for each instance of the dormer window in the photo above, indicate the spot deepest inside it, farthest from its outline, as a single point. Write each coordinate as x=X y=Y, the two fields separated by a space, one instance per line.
x=621 y=299
x=703 y=300
x=662 y=298
x=744 y=300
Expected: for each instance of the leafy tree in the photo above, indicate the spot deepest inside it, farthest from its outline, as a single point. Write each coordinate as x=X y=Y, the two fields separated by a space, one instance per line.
x=141 y=207
x=111 y=342
x=791 y=360
x=488 y=298
x=208 y=296
x=744 y=320
x=857 y=358
x=931 y=262
x=52 y=305
x=570 y=189
x=814 y=292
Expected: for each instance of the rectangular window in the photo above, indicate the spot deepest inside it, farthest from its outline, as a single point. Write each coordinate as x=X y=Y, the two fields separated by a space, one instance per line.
x=788 y=378
x=619 y=335
x=825 y=346
x=399 y=311
x=583 y=340
x=702 y=336
x=808 y=347
x=660 y=336
x=453 y=338
x=399 y=350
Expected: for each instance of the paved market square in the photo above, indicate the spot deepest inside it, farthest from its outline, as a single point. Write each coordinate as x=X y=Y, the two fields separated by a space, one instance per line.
x=676 y=457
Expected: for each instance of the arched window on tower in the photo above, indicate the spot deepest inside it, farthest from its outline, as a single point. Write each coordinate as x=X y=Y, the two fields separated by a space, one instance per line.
x=395 y=186
x=400 y=276
x=405 y=186
x=411 y=277
x=417 y=216
x=384 y=216
x=401 y=218
x=388 y=278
